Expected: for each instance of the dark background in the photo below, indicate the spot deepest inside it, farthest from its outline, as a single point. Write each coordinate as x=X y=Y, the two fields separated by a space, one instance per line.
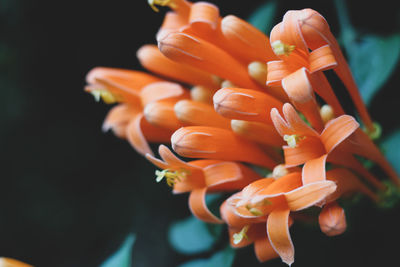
x=70 y=193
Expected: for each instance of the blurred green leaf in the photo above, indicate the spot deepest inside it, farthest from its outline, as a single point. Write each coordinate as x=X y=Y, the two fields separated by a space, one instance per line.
x=191 y=235
x=372 y=61
x=263 y=17
x=122 y=257
x=391 y=148
x=372 y=58
x=223 y=258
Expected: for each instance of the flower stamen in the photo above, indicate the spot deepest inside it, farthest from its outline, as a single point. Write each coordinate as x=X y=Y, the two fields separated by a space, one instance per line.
x=282 y=48
x=292 y=140
x=254 y=211
x=238 y=237
x=153 y=3
x=105 y=95
x=172 y=177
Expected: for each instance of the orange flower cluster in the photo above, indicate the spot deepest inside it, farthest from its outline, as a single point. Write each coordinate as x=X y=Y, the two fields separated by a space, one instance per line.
x=251 y=98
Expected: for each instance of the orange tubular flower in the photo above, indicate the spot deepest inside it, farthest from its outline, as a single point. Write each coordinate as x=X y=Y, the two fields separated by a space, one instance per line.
x=199 y=53
x=306 y=146
x=271 y=200
x=245 y=104
x=196 y=113
x=307 y=29
x=246 y=231
x=201 y=176
x=217 y=143
x=147 y=114
x=117 y=85
x=299 y=66
x=153 y=60
x=276 y=200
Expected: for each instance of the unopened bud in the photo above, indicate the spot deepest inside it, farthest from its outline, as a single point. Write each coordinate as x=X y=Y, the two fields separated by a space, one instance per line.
x=326 y=113
x=258 y=71
x=227 y=83
x=332 y=219
x=202 y=94
x=279 y=171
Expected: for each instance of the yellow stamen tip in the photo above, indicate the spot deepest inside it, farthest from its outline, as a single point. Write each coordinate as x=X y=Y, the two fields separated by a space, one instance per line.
x=282 y=48
x=171 y=177
x=256 y=212
x=292 y=140
x=160 y=175
x=105 y=95
x=153 y=4
x=238 y=237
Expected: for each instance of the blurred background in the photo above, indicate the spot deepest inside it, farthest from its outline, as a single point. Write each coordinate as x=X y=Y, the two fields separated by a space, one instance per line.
x=70 y=193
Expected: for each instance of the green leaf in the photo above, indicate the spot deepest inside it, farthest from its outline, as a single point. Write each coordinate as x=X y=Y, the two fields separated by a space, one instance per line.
x=263 y=17
x=372 y=58
x=191 y=236
x=391 y=149
x=223 y=258
x=372 y=61
x=122 y=257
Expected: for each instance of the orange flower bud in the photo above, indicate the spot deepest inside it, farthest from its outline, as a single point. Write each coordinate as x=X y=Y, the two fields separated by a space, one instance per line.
x=332 y=219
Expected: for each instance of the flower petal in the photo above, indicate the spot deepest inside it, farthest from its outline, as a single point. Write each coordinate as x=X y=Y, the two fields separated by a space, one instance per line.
x=233 y=220
x=278 y=70
x=322 y=59
x=139 y=132
x=308 y=149
x=309 y=195
x=172 y=160
x=279 y=236
x=198 y=207
x=296 y=123
x=162 y=91
x=124 y=83
x=301 y=94
x=264 y=250
x=204 y=18
x=338 y=130
x=135 y=136
x=162 y=114
x=118 y=119
x=314 y=170
x=224 y=176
